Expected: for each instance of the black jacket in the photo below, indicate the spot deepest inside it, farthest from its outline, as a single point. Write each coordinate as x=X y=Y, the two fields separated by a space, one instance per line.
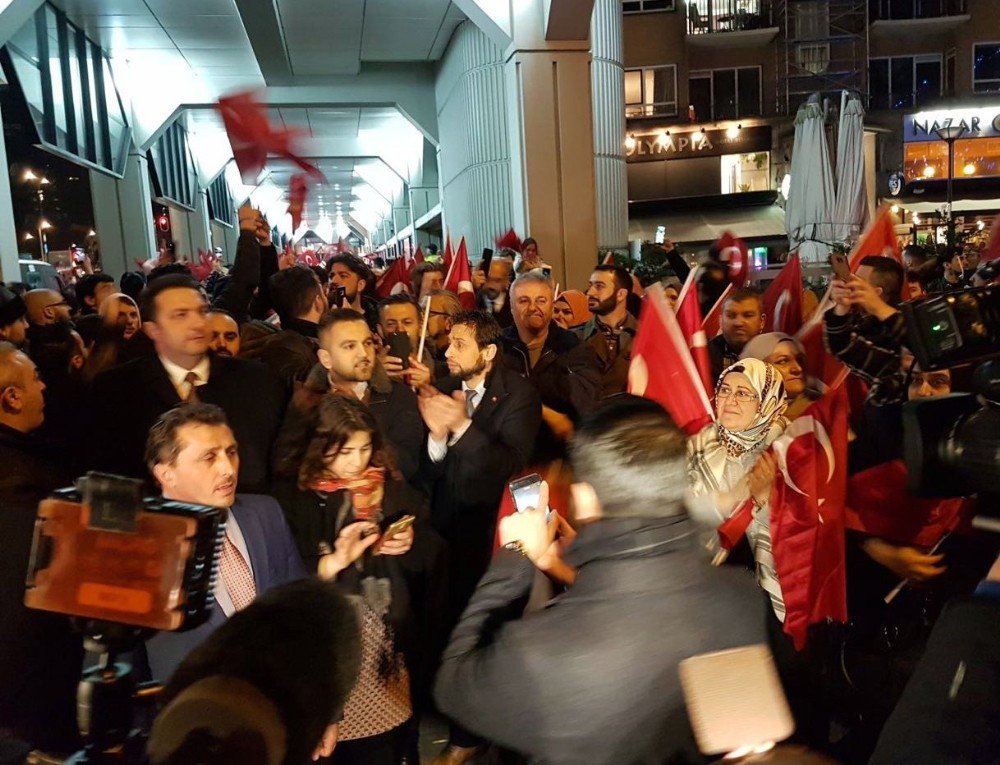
x=948 y=713
x=41 y=657
x=246 y=295
x=290 y=352
x=125 y=402
x=720 y=356
x=592 y=678
x=614 y=371
x=504 y=317
x=567 y=376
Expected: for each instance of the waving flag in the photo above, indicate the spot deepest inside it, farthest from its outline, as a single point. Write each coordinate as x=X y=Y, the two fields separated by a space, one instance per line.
x=734 y=252
x=712 y=323
x=878 y=239
x=298 y=188
x=808 y=516
x=395 y=279
x=418 y=258
x=510 y=241
x=822 y=364
x=459 y=279
x=689 y=320
x=783 y=299
x=662 y=368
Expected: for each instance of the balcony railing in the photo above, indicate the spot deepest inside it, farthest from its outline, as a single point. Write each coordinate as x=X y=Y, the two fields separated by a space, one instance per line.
x=709 y=16
x=909 y=10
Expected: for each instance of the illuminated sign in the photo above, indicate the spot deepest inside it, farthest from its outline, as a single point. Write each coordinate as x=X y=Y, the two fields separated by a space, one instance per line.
x=647 y=146
x=978 y=123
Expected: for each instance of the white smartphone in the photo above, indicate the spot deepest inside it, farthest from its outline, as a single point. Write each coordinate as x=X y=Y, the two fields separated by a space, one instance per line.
x=526 y=492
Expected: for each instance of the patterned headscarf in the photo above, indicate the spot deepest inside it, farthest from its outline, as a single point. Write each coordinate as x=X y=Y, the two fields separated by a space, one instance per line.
x=767 y=384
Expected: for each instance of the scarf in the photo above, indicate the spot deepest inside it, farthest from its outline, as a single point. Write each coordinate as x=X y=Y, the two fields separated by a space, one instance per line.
x=367 y=491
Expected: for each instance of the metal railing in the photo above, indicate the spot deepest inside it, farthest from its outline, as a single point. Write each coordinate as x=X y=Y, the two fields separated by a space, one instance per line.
x=710 y=16
x=906 y=10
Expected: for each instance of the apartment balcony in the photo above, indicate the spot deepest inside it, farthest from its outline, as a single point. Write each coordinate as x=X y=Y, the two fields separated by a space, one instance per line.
x=730 y=23
x=911 y=18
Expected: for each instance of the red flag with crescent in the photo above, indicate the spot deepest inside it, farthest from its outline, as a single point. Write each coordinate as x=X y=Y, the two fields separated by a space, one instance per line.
x=783 y=299
x=733 y=251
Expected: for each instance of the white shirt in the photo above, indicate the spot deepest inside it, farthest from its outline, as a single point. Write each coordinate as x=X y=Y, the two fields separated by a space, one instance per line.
x=236 y=537
x=438 y=450
x=178 y=375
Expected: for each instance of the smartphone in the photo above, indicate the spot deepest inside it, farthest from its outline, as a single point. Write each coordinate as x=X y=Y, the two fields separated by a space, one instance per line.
x=400 y=347
x=398 y=526
x=547 y=270
x=337 y=296
x=525 y=491
x=841 y=268
x=484 y=264
x=661 y=235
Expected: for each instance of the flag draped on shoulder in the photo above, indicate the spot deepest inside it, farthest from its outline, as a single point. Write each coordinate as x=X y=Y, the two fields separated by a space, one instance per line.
x=662 y=368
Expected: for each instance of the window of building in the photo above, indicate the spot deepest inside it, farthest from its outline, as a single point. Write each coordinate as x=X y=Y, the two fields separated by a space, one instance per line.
x=220 y=202
x=902 y=82
x=651 y=91
x=645 y=6
x=722 y=94
x=986 y=67
x=743 y=173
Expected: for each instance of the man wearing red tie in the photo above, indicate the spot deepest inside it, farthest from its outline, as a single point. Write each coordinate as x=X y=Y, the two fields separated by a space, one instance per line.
x=193 y=455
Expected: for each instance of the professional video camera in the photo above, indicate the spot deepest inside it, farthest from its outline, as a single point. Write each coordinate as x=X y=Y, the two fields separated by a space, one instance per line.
x=951 y=444
x=124 y=567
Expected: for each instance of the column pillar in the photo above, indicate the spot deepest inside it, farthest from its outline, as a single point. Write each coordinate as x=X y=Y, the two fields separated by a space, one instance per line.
x=552 y=145
x=123 y=216
x=201 y=225
x=607 y=75
x=10 y=271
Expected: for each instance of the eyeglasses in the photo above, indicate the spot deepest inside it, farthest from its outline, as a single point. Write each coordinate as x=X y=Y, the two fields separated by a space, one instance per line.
x=742 y=395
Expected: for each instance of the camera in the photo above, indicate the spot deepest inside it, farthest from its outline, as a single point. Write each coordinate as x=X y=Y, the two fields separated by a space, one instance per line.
x=951 y=444
x=124 y=567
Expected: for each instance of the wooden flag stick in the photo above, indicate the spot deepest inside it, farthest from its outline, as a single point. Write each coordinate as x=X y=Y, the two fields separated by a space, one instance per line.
x=423 y=332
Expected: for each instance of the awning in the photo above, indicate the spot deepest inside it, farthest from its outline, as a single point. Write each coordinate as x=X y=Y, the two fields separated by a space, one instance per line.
x=694 y=227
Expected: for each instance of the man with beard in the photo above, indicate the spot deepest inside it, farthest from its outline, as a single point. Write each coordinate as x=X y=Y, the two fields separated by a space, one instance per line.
x=482 y=422
x=493 y=297
x=611 y=331
x=350 y=272
x=742 y=320
x=46 y=307
x=225 y=334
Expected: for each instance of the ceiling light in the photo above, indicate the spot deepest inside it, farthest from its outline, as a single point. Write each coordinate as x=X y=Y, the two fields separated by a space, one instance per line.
x=44 y=224
x=969 y=169
x=44 y=181
x=929 y=171
x=30 y=176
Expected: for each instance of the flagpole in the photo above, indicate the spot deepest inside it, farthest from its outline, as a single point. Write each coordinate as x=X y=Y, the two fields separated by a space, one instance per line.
x=722 y=297
x=451 y=267
x=692 y=275
x=423 y=332
x=555 y=294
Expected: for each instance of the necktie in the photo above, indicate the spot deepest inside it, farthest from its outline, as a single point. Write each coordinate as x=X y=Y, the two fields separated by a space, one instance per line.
x=192 y=379
x=470 y=402
x=236 y=575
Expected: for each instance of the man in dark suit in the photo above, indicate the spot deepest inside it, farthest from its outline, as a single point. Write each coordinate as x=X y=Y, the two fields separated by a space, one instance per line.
x=126 y=400
x=493 y=297
x=193 y=455
x=482 y=421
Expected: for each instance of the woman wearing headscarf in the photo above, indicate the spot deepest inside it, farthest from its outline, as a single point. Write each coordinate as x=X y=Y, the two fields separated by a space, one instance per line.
x=121 y=337
x=787 y=355
x=570 y=309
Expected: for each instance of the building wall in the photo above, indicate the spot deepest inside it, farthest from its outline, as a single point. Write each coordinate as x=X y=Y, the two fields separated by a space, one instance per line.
x=474 y=149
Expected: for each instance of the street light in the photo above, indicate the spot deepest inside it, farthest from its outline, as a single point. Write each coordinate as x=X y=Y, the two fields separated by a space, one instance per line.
x=43 y=226
x=949 y=134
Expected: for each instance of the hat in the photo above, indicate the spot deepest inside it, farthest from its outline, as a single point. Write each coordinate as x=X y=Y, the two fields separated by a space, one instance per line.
x=12 y=307
x=763 y=346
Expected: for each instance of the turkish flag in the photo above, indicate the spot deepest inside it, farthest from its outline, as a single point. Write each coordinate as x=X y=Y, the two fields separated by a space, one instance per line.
x=510 y=240
x=395 y=279
x=418 y=257
x=446 y=258
x=253 y=138
x=297 y=191
x=689 y=319
x=878 y=239
x=808 y=516
x=783 y=299
x=662 y=368
x=459 y=279
x=820 y=363
x=734 y=252
x=712 y=323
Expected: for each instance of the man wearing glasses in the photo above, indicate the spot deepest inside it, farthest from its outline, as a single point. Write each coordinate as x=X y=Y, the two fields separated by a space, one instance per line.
x=46 y=307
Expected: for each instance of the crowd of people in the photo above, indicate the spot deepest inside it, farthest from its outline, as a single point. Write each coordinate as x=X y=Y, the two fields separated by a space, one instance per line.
x=550 y=634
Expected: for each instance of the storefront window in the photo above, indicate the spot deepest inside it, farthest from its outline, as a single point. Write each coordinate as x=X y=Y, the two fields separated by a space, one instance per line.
x=743 y=173
x=974 y=158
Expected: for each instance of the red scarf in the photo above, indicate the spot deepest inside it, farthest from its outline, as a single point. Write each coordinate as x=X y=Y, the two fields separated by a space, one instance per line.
x=367 y=491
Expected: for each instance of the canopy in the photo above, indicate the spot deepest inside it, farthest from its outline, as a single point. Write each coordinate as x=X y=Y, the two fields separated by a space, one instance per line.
x=810 y=208
x=851 y=208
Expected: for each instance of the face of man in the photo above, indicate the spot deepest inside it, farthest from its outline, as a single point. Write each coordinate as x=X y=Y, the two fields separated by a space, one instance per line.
x=225 y=334
x=15 y=333
x=671 y=294
x=927 y=384
x=402 y=317
x=206 y=467
x=439 y=323
x=431 y=280
x=741 y=321
x=866 y=273
x=342 y=276
x=128 y=318
x=787 y=359
x=465 y=358
x=348 y=351
x=602 y=296
x=532 y=306
x=102 y=292
x=180 y=328
x=23 y=398
x=497 y=280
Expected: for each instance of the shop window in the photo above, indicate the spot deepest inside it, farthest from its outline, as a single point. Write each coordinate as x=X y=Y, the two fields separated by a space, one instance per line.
x=986 y=67
x=743 y=173
x=903 y=82
x=646 y=6
x=651 y=91
x=722 y=94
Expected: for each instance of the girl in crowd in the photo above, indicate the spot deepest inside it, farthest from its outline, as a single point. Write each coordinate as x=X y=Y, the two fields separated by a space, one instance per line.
x=340 y=489
x=787 y=355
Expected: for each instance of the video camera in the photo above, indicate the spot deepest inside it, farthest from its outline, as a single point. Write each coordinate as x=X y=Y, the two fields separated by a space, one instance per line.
x=951 y=444
x=124 y=567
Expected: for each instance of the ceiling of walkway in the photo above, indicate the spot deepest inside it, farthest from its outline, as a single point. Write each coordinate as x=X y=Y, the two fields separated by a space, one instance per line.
x=193 y=51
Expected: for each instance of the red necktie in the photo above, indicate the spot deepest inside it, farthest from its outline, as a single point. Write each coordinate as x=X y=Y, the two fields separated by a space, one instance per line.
x=236 y=575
